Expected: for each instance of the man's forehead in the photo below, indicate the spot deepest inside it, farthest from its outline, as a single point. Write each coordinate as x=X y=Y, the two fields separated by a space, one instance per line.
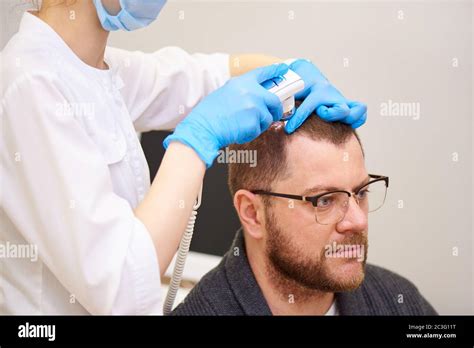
x=319 y=162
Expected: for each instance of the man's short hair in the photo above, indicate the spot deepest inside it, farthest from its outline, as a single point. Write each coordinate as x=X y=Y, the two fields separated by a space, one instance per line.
x=271 y=150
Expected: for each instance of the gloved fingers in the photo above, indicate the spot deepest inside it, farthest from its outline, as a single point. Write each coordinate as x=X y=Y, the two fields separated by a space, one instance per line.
x=357 y=112
x=266 y=119
x=249 y=121
x=252 y=130
x=302 y=112
x=301 y=95
x=360 y=121
x=272 y=103
x=295 y=65
x=335 y=112
x=267 y=72
x=308 y=71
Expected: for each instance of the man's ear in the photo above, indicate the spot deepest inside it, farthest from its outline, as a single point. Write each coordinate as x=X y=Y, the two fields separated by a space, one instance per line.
x=251 y=212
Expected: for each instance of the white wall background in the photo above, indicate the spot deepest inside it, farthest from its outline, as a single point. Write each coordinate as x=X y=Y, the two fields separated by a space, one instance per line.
x=374 y=51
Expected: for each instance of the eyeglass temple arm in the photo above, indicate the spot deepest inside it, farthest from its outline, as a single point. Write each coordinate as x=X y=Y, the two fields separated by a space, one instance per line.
x=284 y=195
x=375 y=176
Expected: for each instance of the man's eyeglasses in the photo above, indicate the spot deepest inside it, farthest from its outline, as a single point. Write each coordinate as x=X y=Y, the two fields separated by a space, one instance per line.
x=331 y=207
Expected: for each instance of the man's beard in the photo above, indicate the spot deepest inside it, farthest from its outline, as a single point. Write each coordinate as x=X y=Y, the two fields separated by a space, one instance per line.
x=290 y=268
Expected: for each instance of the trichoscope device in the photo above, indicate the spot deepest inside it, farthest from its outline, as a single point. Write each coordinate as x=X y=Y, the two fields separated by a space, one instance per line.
x=285 y=87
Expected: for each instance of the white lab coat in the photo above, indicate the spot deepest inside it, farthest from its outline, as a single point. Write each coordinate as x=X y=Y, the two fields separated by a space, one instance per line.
x=72 y=170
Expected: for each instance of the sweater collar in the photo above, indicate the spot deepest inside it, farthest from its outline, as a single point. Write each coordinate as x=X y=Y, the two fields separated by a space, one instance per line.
x=242 y=280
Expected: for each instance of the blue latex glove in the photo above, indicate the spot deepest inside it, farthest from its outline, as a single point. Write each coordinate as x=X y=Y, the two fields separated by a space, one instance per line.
x=235 y=113
x=323 y=97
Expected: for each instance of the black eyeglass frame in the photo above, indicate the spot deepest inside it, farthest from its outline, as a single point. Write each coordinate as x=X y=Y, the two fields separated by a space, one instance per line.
x=314 y=199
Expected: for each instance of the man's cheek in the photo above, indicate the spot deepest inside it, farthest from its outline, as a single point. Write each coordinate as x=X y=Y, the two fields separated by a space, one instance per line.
x=299 y=213
x=300 y=226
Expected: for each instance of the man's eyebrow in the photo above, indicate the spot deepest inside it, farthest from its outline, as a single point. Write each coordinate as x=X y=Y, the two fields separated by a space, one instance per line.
x=322 y=188
x=319 y=188
x=365 y=181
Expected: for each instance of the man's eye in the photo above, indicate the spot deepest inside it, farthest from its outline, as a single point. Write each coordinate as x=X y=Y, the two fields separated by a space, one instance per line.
x=362 y=194
x=325 y=202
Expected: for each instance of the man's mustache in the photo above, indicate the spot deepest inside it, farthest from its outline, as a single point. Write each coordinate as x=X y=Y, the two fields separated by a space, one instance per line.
x=354 y=246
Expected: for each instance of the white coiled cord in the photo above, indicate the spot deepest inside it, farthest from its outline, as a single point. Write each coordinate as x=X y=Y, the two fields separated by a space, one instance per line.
x=181 y=258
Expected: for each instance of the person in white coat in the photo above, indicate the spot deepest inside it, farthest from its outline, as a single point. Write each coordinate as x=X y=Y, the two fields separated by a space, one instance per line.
x=74 y=179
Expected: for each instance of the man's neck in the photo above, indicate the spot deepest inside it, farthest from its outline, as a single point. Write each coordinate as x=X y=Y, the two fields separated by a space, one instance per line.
x=79 y=27
x=284 y=296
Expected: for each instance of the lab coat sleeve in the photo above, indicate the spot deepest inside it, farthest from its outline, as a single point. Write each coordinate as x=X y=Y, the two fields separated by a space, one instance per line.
x=161 y=88
x=59 y=193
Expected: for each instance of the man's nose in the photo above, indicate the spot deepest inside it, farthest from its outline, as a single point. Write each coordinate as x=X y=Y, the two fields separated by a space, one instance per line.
x=355 y=219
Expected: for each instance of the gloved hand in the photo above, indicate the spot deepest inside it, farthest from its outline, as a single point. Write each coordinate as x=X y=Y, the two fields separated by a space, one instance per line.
x=321 y=96
x=235 y=113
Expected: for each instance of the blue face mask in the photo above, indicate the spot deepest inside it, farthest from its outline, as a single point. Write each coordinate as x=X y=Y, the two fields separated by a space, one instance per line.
x=134 y=14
